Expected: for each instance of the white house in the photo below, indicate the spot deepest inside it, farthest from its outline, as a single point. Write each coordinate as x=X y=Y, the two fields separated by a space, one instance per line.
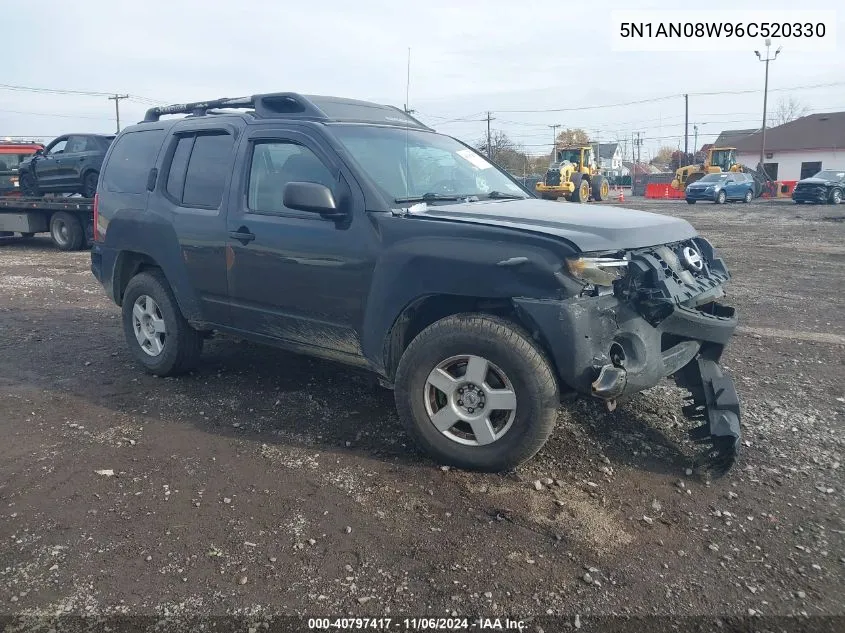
x=798 y=149
x=609 y=158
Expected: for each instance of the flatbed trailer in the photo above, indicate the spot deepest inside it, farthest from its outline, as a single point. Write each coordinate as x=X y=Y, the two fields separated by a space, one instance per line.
x=69 y=221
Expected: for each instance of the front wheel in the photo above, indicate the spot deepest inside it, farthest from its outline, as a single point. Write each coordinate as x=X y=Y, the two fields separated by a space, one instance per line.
x=720 y=199
x=749 y=196
x=159 y=337
x=29 y=188
x=476 y=392
x=836 y=196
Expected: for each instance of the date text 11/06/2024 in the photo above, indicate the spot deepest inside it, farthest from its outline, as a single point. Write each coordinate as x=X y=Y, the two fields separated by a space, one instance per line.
x=416 y=624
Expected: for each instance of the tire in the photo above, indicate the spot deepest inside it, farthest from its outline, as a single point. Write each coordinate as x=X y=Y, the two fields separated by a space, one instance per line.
x=582 y=188
x=749 y=196
x=691 y=201
x=89 y=184
x=518 y=433
x=721 y=197
x=66 y=231
x=180 y=344
x=600 y=188
x=836 y=196
x=29 y=188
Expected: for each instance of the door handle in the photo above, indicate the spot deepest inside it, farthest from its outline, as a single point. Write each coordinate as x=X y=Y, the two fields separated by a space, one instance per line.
x=242 y=235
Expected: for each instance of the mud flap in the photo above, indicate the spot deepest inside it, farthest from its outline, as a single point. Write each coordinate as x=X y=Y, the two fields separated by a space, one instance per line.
x=713 y=402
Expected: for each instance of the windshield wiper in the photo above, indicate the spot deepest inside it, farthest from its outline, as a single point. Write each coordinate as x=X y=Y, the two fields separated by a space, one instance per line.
x=428 y=197
x=498 y=195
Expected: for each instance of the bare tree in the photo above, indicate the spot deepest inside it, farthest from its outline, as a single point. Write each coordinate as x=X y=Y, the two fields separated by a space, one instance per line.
x=504 y=152
x=571 y=136
x=663 y=156
x=788 y=110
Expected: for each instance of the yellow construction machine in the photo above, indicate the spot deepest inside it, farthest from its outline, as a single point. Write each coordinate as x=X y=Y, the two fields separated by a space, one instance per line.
x=574 y=176
x=718 y=159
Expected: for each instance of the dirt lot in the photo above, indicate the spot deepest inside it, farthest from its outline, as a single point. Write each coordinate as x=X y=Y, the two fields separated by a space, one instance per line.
x=271 y=483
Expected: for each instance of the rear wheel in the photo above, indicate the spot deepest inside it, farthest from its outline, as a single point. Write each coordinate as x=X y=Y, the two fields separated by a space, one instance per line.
x=89 y=184
x=66 y=231
x=721 y=197
x=749 y=196
x=836 y=196
x=600 y=187
x=29 y=188
x=158 y=335
x=476 y=392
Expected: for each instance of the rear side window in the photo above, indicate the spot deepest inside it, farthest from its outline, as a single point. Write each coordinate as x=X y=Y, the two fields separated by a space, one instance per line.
x=132 y=157
x=178 y=167
x=208 y=165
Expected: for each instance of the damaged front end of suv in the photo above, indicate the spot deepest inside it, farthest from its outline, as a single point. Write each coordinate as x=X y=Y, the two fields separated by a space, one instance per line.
x=636 y=316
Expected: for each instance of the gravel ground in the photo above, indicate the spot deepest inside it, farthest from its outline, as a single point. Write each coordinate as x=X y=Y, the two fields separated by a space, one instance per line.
x=267 y=483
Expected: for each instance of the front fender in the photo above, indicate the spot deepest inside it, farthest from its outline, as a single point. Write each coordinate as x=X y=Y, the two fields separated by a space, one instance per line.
x=462 y=267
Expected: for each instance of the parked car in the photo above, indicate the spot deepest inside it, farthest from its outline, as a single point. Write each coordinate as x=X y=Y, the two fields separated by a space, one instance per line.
x=827 y=186
x=69 y=164
x=11 y=155
x=351 y=231
x=720 y=188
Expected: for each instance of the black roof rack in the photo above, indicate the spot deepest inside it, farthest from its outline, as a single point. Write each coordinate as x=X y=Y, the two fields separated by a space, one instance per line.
x=292 y=105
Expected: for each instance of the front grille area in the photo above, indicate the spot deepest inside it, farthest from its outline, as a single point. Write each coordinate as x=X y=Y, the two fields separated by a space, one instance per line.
x=553 y=178
x=663 y=273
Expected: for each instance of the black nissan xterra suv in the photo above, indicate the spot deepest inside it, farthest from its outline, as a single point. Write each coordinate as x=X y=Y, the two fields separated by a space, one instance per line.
x=351 y=231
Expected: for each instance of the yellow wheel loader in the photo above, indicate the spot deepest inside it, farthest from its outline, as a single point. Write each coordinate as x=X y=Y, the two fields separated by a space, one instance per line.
x=718 y=159
x=574 y=176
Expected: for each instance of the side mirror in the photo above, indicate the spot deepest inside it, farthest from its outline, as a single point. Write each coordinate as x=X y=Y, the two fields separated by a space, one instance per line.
x=311 y=197
x=39 y=152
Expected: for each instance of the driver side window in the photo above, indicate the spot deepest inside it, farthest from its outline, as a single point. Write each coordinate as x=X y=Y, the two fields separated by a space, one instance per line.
x=58 y=148
x=275 y=164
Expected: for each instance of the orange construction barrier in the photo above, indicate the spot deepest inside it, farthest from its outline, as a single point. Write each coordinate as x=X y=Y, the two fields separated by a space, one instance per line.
x=785 y=188
x=655 y=190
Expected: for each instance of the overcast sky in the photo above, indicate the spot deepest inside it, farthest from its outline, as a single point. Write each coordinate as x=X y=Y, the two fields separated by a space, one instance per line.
x=467 y=57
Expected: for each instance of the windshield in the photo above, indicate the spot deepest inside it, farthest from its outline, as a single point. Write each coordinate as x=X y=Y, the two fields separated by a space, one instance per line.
x=723 y=158
x=713 y=177
x=10 y=162
x=829 y=174
x=572 y=155
x=412 y=163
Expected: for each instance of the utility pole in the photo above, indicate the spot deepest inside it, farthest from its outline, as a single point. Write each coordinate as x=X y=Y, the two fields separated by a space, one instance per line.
x=639 y=147
x=489 y=146
x=767 y=59
x=686 y=130
x=116 y=98
x=695 y=143
x=554 y=140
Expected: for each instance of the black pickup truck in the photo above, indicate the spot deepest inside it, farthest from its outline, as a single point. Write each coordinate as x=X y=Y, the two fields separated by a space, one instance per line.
x=351 y=231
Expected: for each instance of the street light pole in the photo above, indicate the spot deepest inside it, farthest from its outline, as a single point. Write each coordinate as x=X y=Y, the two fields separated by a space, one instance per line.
x=766 y=59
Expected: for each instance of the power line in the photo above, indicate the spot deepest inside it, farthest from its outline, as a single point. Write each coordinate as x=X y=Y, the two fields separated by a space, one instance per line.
x=64 y=91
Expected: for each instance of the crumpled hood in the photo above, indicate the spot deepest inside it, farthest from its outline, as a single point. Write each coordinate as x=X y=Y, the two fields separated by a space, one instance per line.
x=591 y=227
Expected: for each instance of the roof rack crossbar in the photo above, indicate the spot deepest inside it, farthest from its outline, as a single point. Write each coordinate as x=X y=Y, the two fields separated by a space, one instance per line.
x=197 y=107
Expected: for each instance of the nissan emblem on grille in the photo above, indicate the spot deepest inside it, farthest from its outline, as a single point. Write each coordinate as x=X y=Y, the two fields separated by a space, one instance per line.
x=692 y=259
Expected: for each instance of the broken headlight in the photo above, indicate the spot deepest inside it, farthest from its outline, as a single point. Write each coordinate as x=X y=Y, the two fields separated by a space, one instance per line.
x=597 y=271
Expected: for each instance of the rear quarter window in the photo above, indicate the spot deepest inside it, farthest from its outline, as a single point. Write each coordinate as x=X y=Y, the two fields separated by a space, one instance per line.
x=133 y=155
